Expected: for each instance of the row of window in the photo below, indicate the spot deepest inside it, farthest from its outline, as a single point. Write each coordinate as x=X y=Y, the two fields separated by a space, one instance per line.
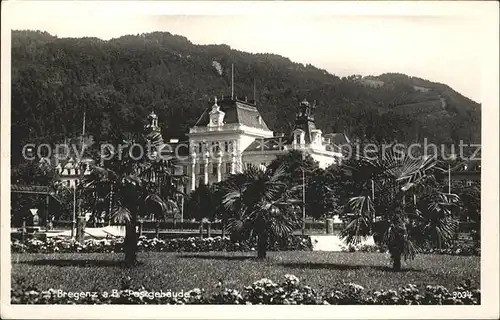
x=227 y=167
x=247 y=165
x=214 y=146
x=215 y=168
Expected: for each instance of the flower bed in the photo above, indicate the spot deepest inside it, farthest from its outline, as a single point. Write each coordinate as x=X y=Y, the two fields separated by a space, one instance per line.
x=292 y=243
x=455 y=250
x=263 y=291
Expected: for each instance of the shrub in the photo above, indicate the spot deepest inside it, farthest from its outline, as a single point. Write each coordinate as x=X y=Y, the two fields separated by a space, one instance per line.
x=263 y=291
x=158 y=245
x=363 y=248
x=457 y=249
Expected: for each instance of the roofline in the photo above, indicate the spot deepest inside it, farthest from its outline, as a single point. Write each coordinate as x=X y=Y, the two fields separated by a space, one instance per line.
x=234 y=128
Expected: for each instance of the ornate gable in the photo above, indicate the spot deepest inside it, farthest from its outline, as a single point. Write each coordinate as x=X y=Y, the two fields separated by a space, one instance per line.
x=216 y=116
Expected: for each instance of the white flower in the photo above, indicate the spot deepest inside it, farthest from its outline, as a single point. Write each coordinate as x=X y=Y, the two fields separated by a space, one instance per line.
x=263 y=282
x=356 y=287
x=291 y=278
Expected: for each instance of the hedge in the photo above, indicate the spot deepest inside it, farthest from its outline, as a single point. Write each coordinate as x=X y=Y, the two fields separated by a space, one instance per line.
x=194 y=244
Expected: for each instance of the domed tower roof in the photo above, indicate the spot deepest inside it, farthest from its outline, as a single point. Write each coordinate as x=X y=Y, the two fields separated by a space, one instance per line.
x=304 y=119
x=152 y=115
x=152 y=128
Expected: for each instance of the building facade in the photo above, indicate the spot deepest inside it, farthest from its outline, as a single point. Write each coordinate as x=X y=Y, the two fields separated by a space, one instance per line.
x=231 y=134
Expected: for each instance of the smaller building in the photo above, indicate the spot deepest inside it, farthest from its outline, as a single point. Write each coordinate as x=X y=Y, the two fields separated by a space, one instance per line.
x=69 y=168
x=469 y=171
x=306 y=137
x=70 y=173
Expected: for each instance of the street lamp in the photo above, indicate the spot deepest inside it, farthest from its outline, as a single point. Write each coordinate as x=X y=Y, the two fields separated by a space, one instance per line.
x=303 y=201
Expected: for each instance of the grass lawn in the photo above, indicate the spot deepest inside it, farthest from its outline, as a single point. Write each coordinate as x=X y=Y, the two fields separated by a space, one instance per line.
x=185 y=271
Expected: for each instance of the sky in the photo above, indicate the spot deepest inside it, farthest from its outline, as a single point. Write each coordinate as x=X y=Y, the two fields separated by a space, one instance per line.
x=441 y=43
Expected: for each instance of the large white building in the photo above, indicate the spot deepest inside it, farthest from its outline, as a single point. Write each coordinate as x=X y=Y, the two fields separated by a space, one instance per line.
x=232 y=134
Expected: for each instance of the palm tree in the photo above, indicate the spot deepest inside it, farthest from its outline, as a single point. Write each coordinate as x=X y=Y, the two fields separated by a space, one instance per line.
x=258 y=203
x=161 y=171
x=135 y=187
x=201 y=203
x=400 y=206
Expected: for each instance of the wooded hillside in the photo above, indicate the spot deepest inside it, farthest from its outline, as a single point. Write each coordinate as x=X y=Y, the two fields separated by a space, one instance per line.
x=118 y=82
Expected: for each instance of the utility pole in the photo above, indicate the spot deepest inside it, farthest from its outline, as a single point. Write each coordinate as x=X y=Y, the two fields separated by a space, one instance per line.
x=83 y=135
x=452 y=157
x=254 y=92
x=110 y=202
x=449 y=178
x=73 y=222
x=373 y=190
x=232 y=81
x=78 y=160
x=47 y=217
x=182 y=209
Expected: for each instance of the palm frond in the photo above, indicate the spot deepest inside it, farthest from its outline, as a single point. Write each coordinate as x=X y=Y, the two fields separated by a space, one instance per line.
x=121 y=215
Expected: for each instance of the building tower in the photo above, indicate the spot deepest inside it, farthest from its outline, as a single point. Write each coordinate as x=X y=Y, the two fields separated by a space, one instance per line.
x=152 y=125
x=305 y=127
x=152 y=130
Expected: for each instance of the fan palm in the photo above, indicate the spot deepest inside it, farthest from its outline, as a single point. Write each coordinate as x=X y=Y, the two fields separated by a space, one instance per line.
x=203 y=203
x=258 y=202
x=135 y=187
x=400 y=206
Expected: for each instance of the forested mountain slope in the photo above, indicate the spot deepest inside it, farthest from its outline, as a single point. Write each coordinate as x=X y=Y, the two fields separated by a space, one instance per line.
x=118 y=82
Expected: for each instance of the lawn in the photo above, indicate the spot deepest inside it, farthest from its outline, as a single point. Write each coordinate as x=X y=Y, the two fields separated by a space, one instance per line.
x=185 y=271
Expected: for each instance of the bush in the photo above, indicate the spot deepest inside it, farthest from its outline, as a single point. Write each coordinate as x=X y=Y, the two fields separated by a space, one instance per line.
x=456 y=249
x=292 y=243
x=363 y=248
x=263 y=291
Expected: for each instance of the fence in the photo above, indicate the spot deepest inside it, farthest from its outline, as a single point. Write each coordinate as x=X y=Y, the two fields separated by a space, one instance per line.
x=171 y=229
x=186 y=225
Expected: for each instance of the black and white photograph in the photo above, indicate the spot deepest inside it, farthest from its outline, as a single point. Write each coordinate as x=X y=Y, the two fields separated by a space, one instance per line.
x=250 y=153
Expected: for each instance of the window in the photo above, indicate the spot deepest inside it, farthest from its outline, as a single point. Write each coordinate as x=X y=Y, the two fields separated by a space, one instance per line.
x=200 y=147
x=184 y=170
x=215 y=169
x=214 y=146
x=226 y=146
x=202 y=169
x=228 y=167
